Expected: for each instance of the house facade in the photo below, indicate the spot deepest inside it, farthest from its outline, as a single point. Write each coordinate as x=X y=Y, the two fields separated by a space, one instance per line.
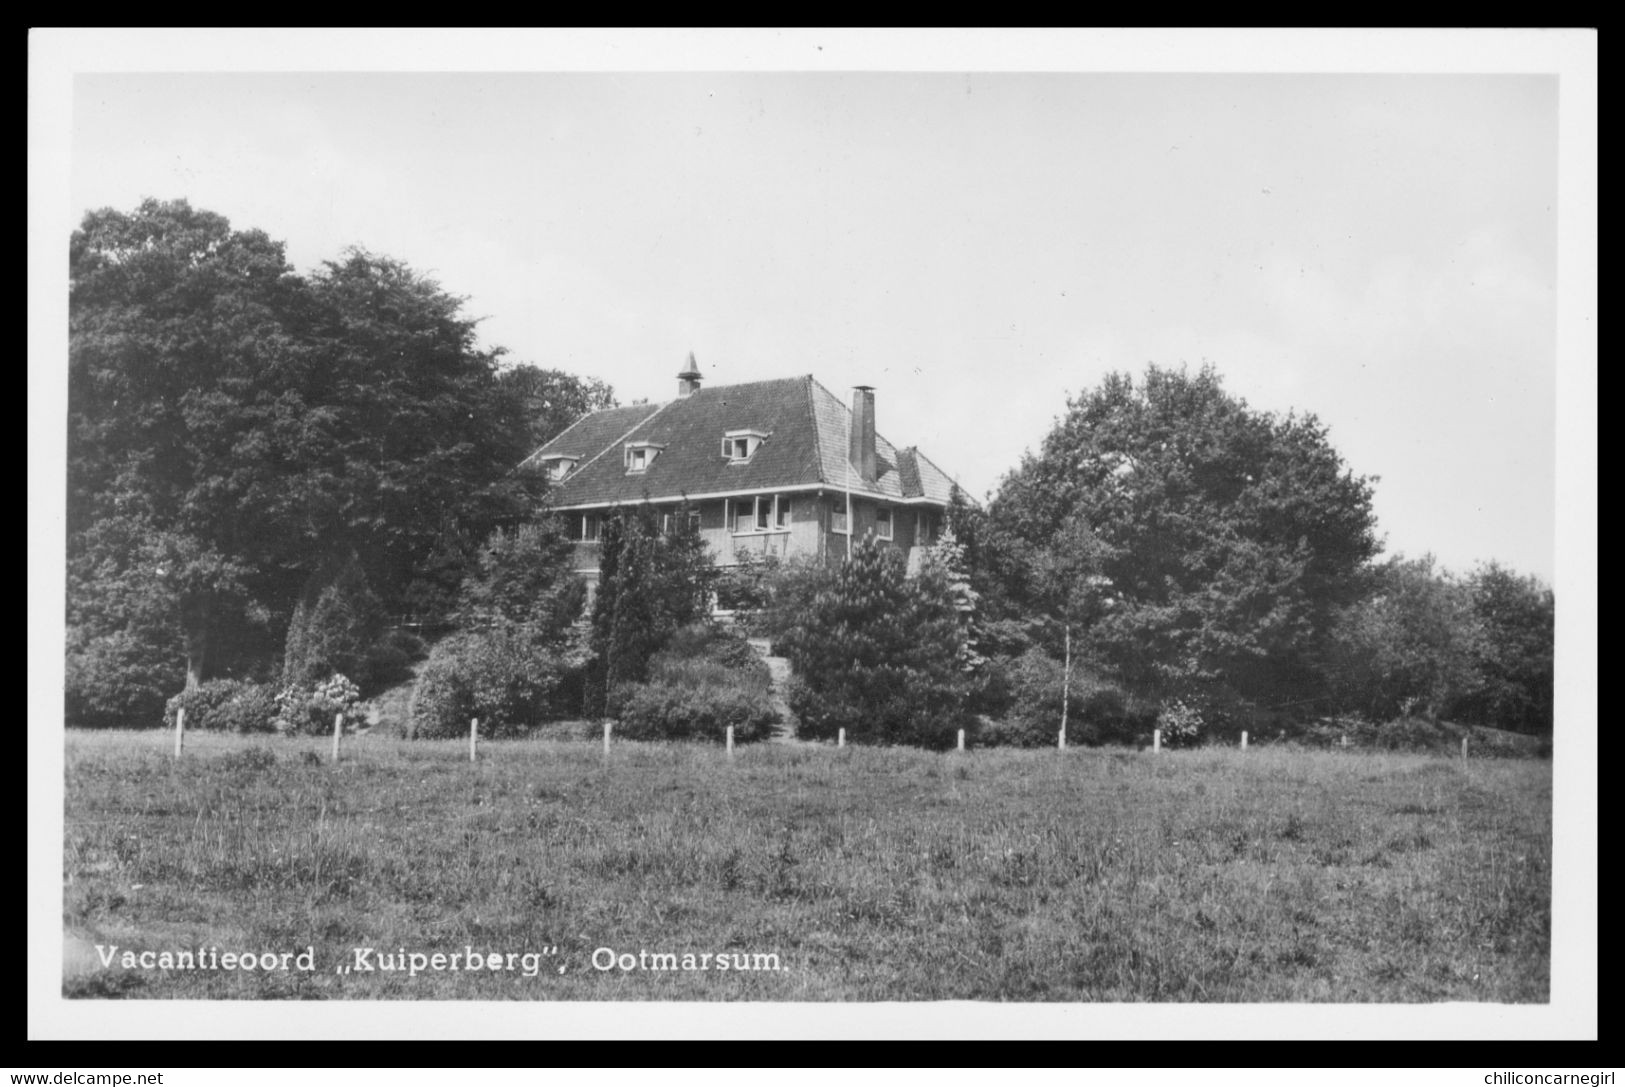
x=767 y=468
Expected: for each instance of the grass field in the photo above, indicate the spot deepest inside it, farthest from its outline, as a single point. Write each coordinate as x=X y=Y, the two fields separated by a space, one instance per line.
x=1093 y=875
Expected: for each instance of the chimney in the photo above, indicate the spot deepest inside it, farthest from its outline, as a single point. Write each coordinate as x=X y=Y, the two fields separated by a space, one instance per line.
x=688 y=382
x=862 y=440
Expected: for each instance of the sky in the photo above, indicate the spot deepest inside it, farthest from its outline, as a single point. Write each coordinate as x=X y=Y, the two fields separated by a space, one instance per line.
x=1379 y=250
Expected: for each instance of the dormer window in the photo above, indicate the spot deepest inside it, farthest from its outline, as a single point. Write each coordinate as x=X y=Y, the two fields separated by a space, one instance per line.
x=639 y=455
x=738 y=446
x=558 y=465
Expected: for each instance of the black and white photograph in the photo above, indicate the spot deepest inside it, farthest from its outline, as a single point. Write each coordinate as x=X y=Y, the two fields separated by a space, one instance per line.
x=813 y=527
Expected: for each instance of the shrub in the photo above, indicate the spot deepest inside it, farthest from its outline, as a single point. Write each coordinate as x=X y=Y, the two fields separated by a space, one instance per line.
x=879 y=654
x=506 y=676
x=708 y=642
x=1098 y=712
x=118 y=680
x=203 y=703
x=1181 y=723
x=668 y=711
x=252 y=709
x=703 y=681
x=312 y=709
x=334 y=625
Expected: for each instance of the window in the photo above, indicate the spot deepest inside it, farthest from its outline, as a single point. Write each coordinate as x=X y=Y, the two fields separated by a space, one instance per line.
x=883 y=523
x=589 y=526
x=639 y=455
x=740 y=445
x=838 y=521
x=669 y=522
x=926 y=528
x=763 y=513
x=557 y=466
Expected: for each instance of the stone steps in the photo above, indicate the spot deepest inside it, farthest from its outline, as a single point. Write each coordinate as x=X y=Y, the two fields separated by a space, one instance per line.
x=779 y=668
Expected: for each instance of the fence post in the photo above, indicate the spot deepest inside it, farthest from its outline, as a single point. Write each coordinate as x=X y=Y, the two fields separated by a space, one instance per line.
x=1060 y=740
x=607 y=726
x=1156 y=741
x=180 y=729
x=1244 y=741
x=840 y=738
x=961 y=739
x=1464 y=747
x=338 y=730
x=730 y=741
x=473 y=738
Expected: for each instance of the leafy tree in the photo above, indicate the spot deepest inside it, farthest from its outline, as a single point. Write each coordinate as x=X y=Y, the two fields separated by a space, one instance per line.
x=1226 y=538
x=406 y=438
x=524 y=576
x=876 y=652
x=1412 y=646
x=551 y=399
x=517 y=658
x=258 y=428
x=178 y=329
x=1516 y=659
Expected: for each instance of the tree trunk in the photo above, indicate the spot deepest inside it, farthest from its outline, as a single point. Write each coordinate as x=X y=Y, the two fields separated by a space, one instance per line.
x=1066 y=679
x=197 y=642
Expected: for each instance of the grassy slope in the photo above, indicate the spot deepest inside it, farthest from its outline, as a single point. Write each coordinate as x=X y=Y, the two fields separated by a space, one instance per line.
x=874 y=874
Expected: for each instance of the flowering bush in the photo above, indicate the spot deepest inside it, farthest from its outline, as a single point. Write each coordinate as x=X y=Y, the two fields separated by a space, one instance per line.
x=312 y=710
x=202 y=703
x=1181 y=723
x=252 y=709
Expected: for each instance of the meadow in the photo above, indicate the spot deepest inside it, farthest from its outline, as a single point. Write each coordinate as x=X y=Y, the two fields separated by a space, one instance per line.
x=1213 y=875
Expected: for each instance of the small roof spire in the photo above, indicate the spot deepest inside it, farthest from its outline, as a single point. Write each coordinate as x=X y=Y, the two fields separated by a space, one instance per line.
x=688 y=382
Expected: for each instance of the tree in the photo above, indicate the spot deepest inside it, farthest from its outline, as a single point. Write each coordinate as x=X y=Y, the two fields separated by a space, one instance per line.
x=178 y=327
x=335 y=623
x=524 y=576
x=407 y=439
x=1411 y=646
x=1229 y=537
x=1517 y=615
x=260 y=428
x=551 y=399
x=876 y=652
x=651 y=582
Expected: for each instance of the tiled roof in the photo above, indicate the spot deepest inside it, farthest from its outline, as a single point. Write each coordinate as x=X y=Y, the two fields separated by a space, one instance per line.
x=806 y=445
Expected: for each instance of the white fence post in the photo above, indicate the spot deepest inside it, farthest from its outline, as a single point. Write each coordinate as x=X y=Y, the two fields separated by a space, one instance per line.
x=180 y=729
x=1464 y=747
x=473 y=738
x=338 y=730
x=961 y=739
x=1156 y=741
x=840 y=738
x=1060 y=740
x=730 y=741
x=1244 y=741
x=607 y=726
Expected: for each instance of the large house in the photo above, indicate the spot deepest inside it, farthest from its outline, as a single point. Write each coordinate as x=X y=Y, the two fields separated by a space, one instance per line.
x=779 y=468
